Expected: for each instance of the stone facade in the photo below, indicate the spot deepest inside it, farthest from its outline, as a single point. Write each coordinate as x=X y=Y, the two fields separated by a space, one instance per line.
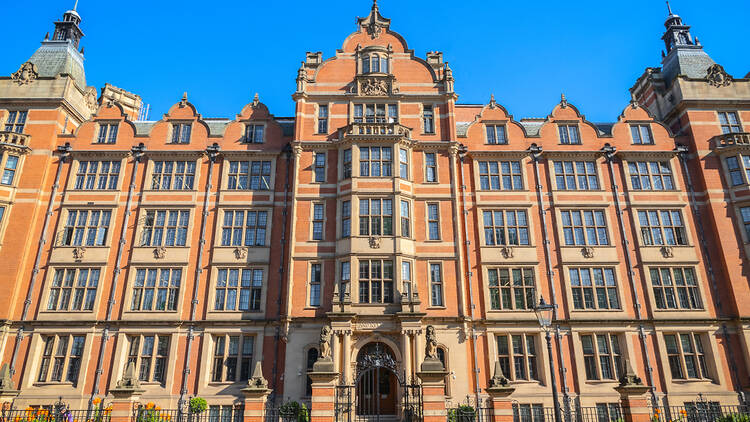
x=195 y=248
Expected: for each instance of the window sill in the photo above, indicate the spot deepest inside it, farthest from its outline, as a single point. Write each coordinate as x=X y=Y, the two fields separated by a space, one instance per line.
x=596 y=310
x=375 y=305
x=688 y=246
x=436 y=308
x=508 y=246
x=83 y=246
x=224 y=383
x=170 y=190
x=433 y=240
x=693 y=381
x=678 y=310
x=149 y=312
x=508 y=311
x=529 y=382
x=55 y=383
x=311 y=308
x=58 y=312
x=602 y=382
x=496 y=143
x=435 y=182
x=259 y=311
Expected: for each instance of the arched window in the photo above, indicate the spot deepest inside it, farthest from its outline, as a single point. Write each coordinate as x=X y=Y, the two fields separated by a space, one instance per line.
x=312 y=356
x=441 y=355
x=375 y=64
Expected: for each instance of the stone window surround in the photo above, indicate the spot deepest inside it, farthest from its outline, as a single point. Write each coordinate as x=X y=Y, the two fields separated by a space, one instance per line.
x=120 y=356
x=322 y=264
x=5 y=115
x=63 y=220
x=208 y=388
x=150 y=164
x=313 y=166
x=82 y=315
x=427 y=220
x=627 y=351
x=219 y=211
x=398 y=288
x=685 y=213
x=370 y=51
x=313 y=220
x=36 y=346
x=428 y=300
x=672 y=313
x=529 y=223
x=234 y=156
x=670 y=160
x=487 y=123
x=519 y=313
x=212 y=339
x=212 y=313
x=620 y=285
x=436 y=166
x=595 y=156
x=714 y=366
x=99 y=124
x=608 y=220
x=155 y=315
x=120 y=156
x=316 y=117
x=250 y=123
x=141 y=224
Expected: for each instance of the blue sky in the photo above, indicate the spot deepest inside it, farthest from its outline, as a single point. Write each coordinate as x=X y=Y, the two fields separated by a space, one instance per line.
x=525 y=52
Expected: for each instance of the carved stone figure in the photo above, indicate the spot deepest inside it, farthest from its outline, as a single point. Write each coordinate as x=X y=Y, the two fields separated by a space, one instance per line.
x=240 y=252
x=629 y=378
x=717 y=76
x=431 y=343
x=374 y=87
x=257 y=381
x=256 y=101
x=160 y=252
x=506 y=252
x=129 y=380
x=667 y=252
x=91 y=100
x=325 y=342
x=6 y=382
x=26 y=74
x=79 y=253
x=375 y=242
x=498 y=379
x=587 y=252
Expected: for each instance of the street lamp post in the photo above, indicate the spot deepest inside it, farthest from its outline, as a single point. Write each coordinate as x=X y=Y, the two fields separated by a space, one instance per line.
x=544 y=313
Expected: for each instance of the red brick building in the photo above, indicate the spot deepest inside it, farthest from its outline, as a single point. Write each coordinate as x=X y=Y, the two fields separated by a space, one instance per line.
x=194 y=247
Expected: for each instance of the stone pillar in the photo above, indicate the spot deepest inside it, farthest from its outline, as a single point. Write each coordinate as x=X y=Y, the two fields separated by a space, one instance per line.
x=336 y=350
x=324 y=380
x=7 y=392
x=347 y=352
x=126 y=394
x=407 y=355
x=255 y=394
x=635 y=407
x=499 y=391
x=433 y=391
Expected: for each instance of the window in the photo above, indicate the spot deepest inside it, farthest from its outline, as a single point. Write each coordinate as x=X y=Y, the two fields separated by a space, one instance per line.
x=61 y=358
x=16 y=121
x=149 y=354
x=97 y=175
x=586 y=227
x=376 y=113
x=608 y=412
x=73 y=289
x=312 y=357
x=9 y=173
x=322 y=119
x=233 y=358
x=374 y=64
x=428 y=119
x=405 y=218
x=107 y=133
x=315 y=281
x=650 y=175
x=496 y=134
x=254 y=134
x=593 y=288
x=317 y=224
x=492 y=172
x=403 y=163
x=436 y=285
x=239 y=289
x=375 y=281
x=165 y=228
x=601 y=356
x=433 y=222
x=744 y=212
x=225 y=413
x=375 y=217
x=517 y=356
x=346 y=217
x=641 y=134
x=375 y=161
x=345 y=279
x=729 y=121
x=735 y=170
x=528 y=412
x=662 y=227
x=506 y=227
x=252 y=175
x=156 y=289
x=173 y=175
x=675 y=288
x=569 y=134
x=576 y=175
x=406 y=278
x=687 y=358
x=86 y=228
x=511 y=288
x=347 y=164
x=319 y=167
x=181 y=133
x=430 y=164
x=244 y=228
x=2 y=214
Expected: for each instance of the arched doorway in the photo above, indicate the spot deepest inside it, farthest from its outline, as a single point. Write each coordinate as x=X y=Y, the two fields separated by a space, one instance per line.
x=377 y=382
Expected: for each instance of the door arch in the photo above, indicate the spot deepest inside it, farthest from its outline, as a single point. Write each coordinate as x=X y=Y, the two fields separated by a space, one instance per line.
x=377 y=381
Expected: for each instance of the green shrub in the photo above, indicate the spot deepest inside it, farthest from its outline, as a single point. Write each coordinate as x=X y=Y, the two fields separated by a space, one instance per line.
x=293 y=410
x=197 y=405
x=734 y=417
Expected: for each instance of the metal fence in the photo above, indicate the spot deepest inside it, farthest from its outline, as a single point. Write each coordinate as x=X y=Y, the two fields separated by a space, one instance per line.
x=701 y=412
x=609 y=412
x=54 y=414
x=212 y=414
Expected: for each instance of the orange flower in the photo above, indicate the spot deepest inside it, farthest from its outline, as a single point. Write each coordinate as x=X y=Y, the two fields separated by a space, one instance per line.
x=108 y=408
x=683 y=412
x=657 y=411
x=158 y=408
x=150 y=405
x=96 y=401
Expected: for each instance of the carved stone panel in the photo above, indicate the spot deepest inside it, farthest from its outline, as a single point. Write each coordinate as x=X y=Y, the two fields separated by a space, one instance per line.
x=26 y=74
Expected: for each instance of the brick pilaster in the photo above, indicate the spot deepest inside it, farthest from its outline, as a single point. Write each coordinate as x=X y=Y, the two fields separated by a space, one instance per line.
x=433 y=395
x=255 y=404
x=124 y=404
x=323 y=396
x=502 y=405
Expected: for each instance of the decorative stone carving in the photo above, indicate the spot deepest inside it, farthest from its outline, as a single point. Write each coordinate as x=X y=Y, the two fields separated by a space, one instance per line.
x=183 y=102
x=256 y=101
x=374 y=87
x=6 y=381
x=430 y=350
x=563 y=101
x=129 y=380
x=257 y=381
x=498 y=379
x=717 y=76
x=240 y=252
x=91 y=100
x=26 y=74
x=506 y=252
x=629 y=377
x=667 y=251
x=493 y=104
x=325 y=342
x=79 y=253
x=374 y=242
x=374 y=23
x=587 y=252
x=160 y=252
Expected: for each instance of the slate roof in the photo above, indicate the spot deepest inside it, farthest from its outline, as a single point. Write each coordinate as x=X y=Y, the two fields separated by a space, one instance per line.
x=691 y=62
x=59 y=57
x=532 y=127
x=216 y=127
x=143 y=127
x=462 y=128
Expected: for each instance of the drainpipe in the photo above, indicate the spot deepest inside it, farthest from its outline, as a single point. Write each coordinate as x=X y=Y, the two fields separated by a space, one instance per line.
x=64 y=152
x=609 y=154
x=462 y=150
x=138 y=152
x=536 y=154
x=682 y=153
x=277 y=337
x=460 y=268
x=213 y=153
